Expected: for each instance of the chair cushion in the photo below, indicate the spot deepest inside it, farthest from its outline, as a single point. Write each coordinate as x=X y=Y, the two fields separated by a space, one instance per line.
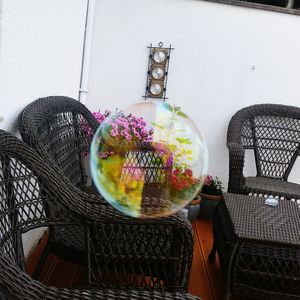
x=273 y=187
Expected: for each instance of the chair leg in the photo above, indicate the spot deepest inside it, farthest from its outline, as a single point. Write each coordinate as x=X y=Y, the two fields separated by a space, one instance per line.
x=88 y=254
x=212 y=254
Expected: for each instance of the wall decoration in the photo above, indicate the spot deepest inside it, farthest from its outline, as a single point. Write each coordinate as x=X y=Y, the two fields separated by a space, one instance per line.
x=158 y=71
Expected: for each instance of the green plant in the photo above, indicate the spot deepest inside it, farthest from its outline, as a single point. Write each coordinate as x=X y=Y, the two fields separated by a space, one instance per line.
x=173 y=134
x=212 y=186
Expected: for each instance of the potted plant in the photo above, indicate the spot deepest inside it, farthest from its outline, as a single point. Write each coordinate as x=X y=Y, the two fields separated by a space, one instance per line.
x=183 y=181
x=211 y=193
x=193 y=209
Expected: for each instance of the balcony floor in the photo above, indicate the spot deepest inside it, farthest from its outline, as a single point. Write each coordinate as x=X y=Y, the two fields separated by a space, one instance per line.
x=206 y=279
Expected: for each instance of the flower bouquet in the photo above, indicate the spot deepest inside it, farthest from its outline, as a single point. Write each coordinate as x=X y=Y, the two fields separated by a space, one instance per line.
x=184 y=184
x=121 y=176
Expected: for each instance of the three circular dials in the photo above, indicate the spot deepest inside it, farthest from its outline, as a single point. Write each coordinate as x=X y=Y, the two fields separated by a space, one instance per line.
x=158 y=72
x=159 y=56
x=156 y=88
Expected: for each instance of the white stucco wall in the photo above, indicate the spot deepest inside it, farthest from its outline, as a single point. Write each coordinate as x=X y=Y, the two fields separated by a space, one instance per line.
x=1 y=3
x=225 y=58
x=41 y=49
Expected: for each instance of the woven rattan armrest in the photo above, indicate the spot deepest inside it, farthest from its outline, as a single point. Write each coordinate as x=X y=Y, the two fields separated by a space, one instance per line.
x=236 y=166
x=90 y=208
x=85 y=209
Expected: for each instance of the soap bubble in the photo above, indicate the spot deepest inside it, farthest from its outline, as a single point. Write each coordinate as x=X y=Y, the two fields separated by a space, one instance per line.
x=148 y=160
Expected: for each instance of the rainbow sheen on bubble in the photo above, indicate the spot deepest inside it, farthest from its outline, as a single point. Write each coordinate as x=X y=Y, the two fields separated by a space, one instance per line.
x=148 y=160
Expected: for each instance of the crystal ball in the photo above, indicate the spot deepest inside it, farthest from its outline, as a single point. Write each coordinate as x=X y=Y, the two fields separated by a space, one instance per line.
x=148 y=160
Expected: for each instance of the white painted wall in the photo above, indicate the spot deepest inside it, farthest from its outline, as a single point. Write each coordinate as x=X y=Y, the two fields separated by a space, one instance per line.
x=226 y=57
x=1 y=3
x=41 y=48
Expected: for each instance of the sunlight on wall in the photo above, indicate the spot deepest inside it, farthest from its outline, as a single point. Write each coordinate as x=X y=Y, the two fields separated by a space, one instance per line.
x=41 y=49
x=225 y=58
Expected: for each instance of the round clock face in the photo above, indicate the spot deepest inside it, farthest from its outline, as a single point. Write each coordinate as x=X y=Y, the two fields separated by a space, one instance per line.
x=155 y=89
x=157 y=73
x=159 y=56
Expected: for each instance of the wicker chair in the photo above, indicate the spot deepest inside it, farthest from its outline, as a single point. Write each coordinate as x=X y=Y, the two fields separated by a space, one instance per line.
x=273 y=132
x=155 y=253
x=28 y=187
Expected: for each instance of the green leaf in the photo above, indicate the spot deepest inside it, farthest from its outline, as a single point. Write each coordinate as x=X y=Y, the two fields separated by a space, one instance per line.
x=184 y=141
x=173 y=148
x=182 y=114
x=158 y=126
x=180 y=140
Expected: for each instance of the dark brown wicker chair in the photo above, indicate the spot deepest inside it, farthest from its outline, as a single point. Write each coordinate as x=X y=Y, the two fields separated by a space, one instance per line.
x=28 y=187
x=125 y=251
x=273 y=133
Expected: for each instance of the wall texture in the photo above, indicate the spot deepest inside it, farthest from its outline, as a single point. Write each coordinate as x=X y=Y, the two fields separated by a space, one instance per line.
x=1 y=3
x=225 y=58
x=41 y=49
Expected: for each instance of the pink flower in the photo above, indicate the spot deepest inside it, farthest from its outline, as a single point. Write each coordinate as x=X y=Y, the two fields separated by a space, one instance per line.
x=128 y=137
x=144 y=132
x=208 y=180
x=99 y=116
x=114 y=132
x=114 y=126
x=104 y=154
x=123 y=132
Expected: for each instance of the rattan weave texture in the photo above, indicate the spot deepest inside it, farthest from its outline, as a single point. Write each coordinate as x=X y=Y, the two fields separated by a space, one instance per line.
x=253 y=219
x=258 y=247
x=154 y=252
x=272 y=131
x=28 y=187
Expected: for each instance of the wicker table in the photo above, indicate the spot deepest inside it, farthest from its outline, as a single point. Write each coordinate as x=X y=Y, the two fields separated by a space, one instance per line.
x=258 y=247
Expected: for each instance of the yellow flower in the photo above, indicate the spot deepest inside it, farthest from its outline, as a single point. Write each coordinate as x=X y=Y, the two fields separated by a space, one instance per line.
x=126 y=190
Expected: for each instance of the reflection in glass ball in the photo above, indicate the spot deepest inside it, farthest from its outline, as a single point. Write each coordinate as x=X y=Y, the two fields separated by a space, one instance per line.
x=148 y=160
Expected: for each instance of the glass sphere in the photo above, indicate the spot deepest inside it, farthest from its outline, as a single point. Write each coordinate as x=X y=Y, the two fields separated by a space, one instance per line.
x=148 y=160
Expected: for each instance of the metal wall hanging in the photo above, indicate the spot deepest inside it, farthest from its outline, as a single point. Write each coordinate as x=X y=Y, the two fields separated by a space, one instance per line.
x=158 y=71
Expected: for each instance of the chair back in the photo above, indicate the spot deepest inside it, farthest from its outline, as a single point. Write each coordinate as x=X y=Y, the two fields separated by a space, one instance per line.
x=273 y=132
x=154 y=164
x=30 y=197
x=21 y=202
x=60 y=129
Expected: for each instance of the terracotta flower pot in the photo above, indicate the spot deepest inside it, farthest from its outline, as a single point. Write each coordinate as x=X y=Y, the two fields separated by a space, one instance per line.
x=193 y=209
x=209 y=202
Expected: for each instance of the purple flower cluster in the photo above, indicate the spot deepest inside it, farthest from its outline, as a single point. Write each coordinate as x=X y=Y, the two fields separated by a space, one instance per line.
x=130 y=128
x=100 y=118
x=208 y=180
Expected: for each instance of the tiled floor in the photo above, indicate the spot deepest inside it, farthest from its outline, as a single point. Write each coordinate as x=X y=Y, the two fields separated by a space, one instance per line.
x=205 y=282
